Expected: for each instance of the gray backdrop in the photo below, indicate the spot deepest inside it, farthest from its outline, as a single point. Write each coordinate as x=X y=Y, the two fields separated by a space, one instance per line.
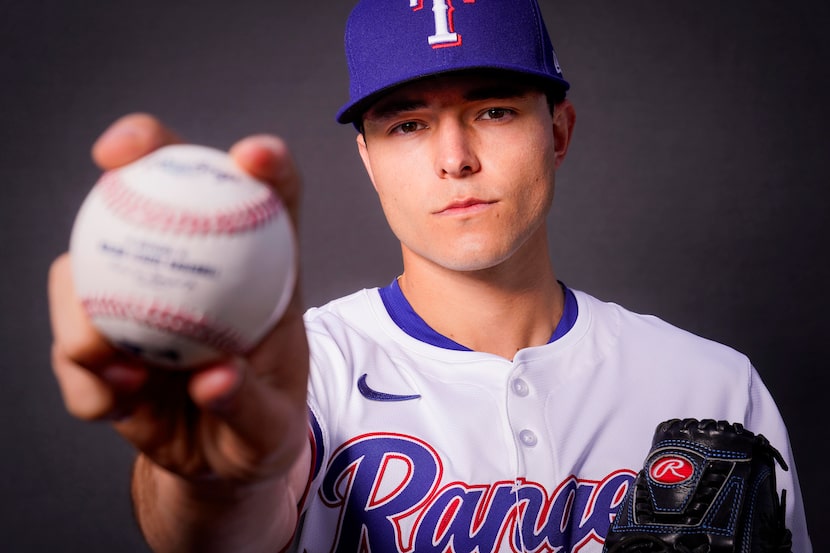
x=695 y=190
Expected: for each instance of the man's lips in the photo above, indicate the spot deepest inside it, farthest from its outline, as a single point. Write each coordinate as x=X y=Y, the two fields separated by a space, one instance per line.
x=465 y=206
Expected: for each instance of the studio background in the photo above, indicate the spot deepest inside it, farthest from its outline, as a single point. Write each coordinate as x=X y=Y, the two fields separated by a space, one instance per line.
x=695 y=189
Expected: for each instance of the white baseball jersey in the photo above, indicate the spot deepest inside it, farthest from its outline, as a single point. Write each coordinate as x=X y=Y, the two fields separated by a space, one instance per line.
x=424 y=446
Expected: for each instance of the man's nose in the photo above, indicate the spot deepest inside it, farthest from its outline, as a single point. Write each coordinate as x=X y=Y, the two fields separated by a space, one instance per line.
x=455 y=154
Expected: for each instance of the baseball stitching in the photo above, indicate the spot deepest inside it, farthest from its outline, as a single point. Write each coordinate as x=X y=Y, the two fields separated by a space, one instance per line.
x=141 y=210
x=175 y=321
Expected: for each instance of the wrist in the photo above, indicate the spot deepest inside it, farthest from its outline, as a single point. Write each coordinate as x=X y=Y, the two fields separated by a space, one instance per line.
x=209 y=514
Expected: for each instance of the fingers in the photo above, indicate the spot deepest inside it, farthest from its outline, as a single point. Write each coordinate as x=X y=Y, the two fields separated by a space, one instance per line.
x=75 y=336
x=243 y=402
x=220 y=420
x=214 y=388
x=228 y=401
x=130 y=138
x=270 y=385
x=94 y=381
x=84 y=396
x=267 y=158
x=108 y=394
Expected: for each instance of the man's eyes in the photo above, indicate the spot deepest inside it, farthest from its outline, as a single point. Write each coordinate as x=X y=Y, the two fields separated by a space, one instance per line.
x=490 y=114
x=407 y=127
x=496 y=113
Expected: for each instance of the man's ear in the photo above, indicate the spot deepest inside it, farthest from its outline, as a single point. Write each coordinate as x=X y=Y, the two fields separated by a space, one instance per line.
x=564 y=118
x=363 y=150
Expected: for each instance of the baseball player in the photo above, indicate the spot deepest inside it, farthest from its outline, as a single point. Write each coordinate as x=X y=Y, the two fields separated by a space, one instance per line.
x=476 y=403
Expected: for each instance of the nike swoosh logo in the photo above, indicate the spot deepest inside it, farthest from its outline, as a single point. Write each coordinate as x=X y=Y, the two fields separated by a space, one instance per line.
x=374 y=395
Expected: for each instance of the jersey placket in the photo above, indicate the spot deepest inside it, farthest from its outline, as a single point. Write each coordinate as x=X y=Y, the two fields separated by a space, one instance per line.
x=525 y=411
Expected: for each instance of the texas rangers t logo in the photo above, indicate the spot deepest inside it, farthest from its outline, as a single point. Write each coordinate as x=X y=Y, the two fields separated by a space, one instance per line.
x=445 y=34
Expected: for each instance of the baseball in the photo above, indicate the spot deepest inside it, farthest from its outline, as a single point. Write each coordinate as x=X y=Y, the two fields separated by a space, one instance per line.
x=181 y=257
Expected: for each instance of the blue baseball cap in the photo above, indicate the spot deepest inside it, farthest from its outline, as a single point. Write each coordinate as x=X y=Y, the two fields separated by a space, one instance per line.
x=393 y=42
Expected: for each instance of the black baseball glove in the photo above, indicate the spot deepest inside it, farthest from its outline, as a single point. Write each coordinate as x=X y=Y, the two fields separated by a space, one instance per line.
x=706 y=487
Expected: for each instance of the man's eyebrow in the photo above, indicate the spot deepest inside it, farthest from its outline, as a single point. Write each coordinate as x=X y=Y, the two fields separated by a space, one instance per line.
x=496 y=92
x=389 y=109
x=392 y=108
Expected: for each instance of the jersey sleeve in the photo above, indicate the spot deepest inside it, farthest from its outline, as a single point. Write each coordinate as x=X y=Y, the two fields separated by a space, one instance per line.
x=763 y=415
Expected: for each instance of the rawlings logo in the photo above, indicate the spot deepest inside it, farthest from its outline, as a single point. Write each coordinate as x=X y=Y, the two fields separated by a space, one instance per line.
x=671 y=470
x=442 y=11
x=175 y=166
x=390 y=496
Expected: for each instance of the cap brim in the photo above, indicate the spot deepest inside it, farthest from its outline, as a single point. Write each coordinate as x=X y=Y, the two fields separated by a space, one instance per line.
x=354 y=110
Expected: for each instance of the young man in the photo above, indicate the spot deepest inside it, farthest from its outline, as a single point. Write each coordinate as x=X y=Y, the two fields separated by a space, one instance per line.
x=475 y=403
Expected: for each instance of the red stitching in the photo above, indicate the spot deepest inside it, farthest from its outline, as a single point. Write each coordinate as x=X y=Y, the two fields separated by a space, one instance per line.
x=131 y=205
x=174 y=320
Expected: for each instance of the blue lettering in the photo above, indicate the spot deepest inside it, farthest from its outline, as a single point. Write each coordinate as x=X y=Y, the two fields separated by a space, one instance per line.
x=377 y=481
x=467 y=519
x=353 y=479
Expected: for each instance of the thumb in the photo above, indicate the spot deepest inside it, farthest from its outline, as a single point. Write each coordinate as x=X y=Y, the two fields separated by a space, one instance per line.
x=263 y=425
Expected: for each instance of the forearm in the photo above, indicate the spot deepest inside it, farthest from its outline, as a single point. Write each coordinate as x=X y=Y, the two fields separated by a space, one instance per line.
x=179 y=516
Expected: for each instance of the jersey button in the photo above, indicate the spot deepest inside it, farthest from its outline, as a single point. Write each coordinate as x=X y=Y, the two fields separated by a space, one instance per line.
x=528 y=438
x=520 y=387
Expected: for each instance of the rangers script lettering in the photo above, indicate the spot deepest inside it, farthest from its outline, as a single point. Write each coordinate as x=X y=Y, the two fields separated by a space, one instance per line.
x=445 y=34
x=389 y=490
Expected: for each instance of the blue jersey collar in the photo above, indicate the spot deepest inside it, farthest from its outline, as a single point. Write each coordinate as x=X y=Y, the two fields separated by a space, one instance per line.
x=410 y=322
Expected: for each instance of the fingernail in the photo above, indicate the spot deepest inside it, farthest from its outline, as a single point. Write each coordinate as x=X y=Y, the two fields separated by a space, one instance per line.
x=122 y=377
x=271 y=142
x=122 y=130
x=221 y=382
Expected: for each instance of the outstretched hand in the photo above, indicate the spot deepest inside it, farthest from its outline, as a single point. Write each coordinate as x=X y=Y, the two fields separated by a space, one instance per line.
x=241 y=421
